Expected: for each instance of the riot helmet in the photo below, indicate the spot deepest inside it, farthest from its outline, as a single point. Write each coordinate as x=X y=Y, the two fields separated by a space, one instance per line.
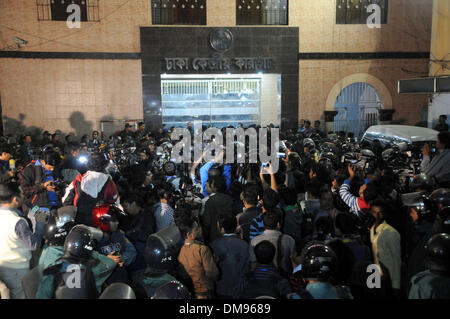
x=59 y=225
x=420 y=203
x=367 y=153
x=309 y=143
x=438 y=253
x=441 y=197
x=422 y=182
x=161 y=250
x=172 y=290
x=319 y=262
x=80 y=242
x=118 y=290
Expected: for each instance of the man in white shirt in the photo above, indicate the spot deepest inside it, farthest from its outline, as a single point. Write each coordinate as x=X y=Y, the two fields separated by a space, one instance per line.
x=386 y=246
x=17 y=241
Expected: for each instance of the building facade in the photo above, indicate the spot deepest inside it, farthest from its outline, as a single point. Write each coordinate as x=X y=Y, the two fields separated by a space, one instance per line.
x=221 y=61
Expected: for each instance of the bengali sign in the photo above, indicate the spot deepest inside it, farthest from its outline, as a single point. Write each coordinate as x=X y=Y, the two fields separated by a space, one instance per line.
x=219 y=62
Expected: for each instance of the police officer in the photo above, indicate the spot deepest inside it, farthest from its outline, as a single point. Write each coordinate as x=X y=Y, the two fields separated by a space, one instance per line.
x=422 y=219
x=319 y=264
x=441 y=204
x=434 y=283
x=58 y=226
x=160 y=260
x=78 y=260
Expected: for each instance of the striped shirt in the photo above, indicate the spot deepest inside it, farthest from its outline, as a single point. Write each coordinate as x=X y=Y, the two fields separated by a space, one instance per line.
x=356 y=204
x=257 y=226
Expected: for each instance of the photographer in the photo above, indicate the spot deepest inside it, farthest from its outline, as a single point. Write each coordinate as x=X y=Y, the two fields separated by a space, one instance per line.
x=367 y=193
x=37 y=182
x=72 y=165
x=439 y=166
x=204 y=172
x=90 y=189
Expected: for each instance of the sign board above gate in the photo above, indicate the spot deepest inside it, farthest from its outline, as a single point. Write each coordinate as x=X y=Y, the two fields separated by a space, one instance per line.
x=218 y=62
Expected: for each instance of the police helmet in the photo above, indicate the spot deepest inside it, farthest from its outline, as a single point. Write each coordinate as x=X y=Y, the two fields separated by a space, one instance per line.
x=420 y=202
x=319 y=262
x=172 y=290
x=441 y=196
x=309 y=142
x=438 y=253
x=80 y=242
x=161 y=250
x=422 y=182
x=59 y=225
x=367 y=153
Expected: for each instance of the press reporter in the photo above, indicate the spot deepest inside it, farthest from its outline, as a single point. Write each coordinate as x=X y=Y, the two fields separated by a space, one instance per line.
x=17 y=241
x=37 y=179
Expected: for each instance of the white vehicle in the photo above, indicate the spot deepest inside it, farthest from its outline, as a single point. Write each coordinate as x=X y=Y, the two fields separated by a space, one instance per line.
x=389 y=135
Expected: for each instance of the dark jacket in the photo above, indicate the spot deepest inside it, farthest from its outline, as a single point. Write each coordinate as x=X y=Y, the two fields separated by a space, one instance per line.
x=420 y=236
x=264 y=281
x=32 y=179
x=4 y=172
x=138 y=228
x=233 y=261
x=292 y=224
x=216 y=205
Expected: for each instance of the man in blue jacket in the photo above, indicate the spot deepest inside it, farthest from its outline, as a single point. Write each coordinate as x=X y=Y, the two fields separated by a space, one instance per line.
x=233 y=257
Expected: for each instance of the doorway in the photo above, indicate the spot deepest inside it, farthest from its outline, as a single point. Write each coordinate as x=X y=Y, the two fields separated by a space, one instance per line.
x=220 y=101
x=357 y=106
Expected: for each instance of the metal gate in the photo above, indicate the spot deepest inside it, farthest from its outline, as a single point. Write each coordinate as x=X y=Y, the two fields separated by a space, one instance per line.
x=216 y=102
x=357 y=107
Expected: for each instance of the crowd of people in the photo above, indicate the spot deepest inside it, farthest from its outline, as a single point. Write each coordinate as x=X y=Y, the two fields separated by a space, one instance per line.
x=119 y=211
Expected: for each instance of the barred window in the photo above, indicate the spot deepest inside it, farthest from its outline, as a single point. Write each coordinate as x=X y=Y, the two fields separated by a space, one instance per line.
x=262 y=12
x=179 y=12
x=56 y=10
x=355 y=11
